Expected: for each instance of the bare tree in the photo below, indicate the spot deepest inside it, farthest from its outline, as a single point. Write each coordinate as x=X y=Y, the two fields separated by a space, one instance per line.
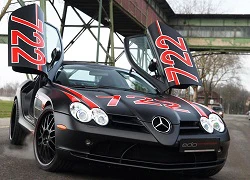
x=9 y=89
x=216 y=68
x=195 y=6
x=235 y=98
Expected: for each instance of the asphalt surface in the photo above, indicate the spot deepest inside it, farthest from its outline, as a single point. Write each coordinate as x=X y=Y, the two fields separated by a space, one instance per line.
x=19 y=163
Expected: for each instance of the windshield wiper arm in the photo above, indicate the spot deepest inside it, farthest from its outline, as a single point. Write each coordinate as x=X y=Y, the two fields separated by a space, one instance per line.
x=82 y=86
x=113 y=87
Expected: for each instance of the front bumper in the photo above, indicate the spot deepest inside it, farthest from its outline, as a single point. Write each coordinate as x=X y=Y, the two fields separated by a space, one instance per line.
x=134 y=149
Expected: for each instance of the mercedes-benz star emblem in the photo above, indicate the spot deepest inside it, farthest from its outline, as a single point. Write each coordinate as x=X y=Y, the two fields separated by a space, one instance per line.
x=161 y=124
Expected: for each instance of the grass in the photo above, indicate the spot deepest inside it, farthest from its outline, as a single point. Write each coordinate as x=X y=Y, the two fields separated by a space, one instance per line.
x=5 y=108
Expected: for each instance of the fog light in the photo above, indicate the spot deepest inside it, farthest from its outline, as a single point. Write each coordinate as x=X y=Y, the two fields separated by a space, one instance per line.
x=88 y=142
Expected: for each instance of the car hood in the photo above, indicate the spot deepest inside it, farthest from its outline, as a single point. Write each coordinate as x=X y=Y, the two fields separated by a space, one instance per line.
x=145 y=106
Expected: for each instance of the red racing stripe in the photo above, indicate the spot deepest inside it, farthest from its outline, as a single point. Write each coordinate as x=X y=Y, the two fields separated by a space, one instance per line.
x=158 y=26
x=197 y=108
x=90 y=103
x=209 y=109
x=71 y=97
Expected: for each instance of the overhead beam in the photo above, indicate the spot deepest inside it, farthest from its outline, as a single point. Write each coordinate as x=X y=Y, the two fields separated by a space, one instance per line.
x=2 y=13
x=21 y=2
x=224 y=20
x=3 y=39
x=43 y=7
x=217 y=32
x=219 y=44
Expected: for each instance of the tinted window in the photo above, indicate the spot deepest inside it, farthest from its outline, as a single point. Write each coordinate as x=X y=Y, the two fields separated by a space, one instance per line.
x=52 y=41
x=94 y=77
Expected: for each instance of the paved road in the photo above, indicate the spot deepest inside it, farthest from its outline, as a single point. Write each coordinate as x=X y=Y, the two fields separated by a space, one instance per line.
x=19 y=163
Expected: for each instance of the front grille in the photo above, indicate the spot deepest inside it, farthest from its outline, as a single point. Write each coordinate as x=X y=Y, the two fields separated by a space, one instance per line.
x=166 y=155
x=191 y=128
x=150 y=156
x=130 y=123
x=149 y=153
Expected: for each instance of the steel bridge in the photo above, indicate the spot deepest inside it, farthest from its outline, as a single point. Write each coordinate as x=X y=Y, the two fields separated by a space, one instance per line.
x=221 y=33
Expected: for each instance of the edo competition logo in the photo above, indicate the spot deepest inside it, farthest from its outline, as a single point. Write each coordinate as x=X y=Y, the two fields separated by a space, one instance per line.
x=16 y=36
x=189 y=145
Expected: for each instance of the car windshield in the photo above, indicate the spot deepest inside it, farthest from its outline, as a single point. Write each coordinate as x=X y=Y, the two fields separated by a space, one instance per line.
x=217 y=108
x=82 y=76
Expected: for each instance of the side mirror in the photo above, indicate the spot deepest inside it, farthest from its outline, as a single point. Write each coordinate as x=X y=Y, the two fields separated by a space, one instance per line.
x=152 y=65
x=55 y=55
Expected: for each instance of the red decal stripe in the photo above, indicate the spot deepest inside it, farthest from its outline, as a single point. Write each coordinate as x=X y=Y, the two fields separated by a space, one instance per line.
x=71 y=97
x=39 y=67
x=114 y=100
x=197 y=108
x=210 y=110
x=158 y=26
x=90 y=103
x=38 y=26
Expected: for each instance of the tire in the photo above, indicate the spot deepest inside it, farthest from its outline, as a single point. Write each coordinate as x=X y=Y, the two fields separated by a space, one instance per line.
x=16 y=133
x=45 y=143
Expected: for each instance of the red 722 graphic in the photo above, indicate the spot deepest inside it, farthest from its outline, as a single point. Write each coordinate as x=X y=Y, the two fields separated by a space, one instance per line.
x=141 y=100
x=172 y=72
x=39 y=43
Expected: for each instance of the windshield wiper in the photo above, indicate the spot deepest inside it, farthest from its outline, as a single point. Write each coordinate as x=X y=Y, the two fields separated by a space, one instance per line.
x=113 y=87
x=82 y=86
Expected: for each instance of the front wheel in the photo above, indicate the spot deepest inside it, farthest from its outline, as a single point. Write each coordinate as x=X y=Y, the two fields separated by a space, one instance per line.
x=45 y=143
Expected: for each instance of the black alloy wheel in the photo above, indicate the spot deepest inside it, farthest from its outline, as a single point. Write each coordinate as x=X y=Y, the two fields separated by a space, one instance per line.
x=45 y=143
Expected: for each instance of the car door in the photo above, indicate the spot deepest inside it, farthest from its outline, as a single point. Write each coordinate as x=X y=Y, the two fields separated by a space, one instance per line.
x=34 y=46
x=162 y=57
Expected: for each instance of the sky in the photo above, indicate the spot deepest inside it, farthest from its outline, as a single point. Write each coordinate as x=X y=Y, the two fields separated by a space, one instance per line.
x=86 y=40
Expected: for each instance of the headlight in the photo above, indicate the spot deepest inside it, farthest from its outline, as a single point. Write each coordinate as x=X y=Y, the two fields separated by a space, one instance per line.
x=218 y=124
x=80 y=112
x=84 y=114
x=206 y=124
x=100 y=117
x=220 y=113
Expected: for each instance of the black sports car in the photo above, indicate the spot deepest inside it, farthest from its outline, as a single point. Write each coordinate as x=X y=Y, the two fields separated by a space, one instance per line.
x=79 y=110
